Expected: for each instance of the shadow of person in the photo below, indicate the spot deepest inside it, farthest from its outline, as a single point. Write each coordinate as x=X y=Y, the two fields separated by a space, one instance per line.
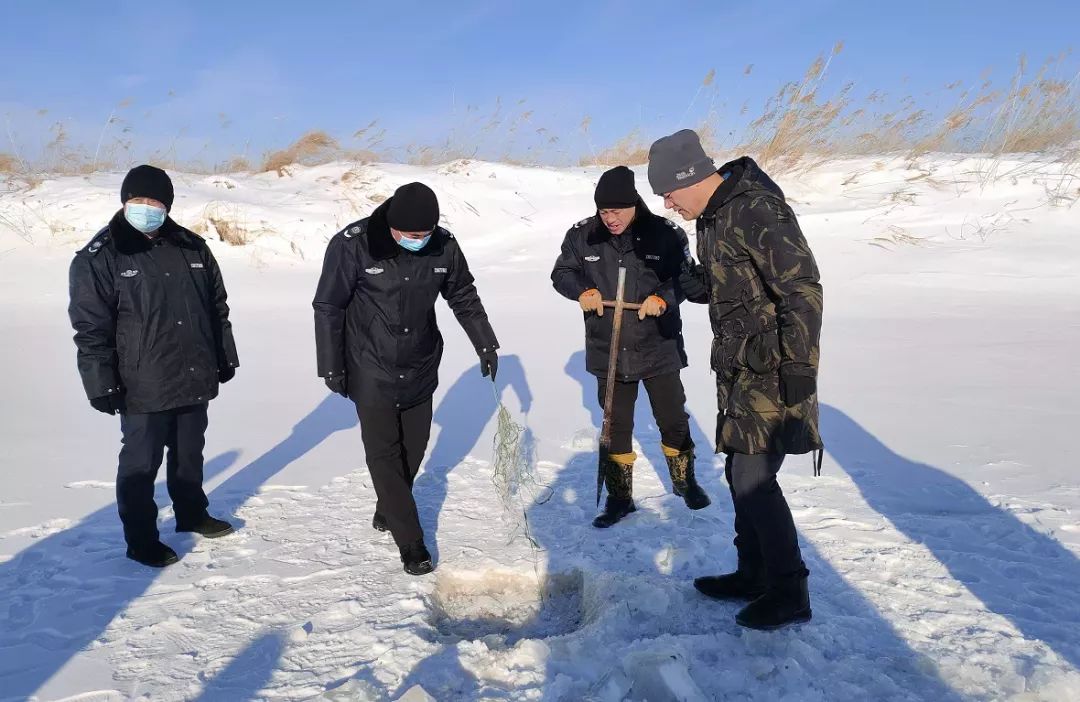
x=247 y=673
x=1020 y=573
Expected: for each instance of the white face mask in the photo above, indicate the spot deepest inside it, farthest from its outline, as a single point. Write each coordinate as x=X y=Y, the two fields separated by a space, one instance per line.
x=413 y=244
x=145 y=218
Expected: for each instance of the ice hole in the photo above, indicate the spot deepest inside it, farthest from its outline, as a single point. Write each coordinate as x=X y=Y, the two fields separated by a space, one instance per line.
x=508 y=605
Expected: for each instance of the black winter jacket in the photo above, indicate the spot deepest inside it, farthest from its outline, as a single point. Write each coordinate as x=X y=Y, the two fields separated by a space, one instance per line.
x=652 y=250
x=375 y=312
x=150 y=317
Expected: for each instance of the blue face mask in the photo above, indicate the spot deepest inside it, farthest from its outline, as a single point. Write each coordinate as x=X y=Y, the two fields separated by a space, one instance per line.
x=145 y=218
x=413 y=244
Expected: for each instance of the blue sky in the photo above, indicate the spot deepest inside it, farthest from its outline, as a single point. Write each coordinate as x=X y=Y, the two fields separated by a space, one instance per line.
x=217 y=78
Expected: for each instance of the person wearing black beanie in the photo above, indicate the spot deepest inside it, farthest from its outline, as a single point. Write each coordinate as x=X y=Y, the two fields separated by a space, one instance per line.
x=625 y=235
x=378 y=343
x=154 y=342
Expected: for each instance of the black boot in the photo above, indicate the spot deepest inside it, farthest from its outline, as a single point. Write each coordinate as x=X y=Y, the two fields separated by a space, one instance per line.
x=155 y=555
x=378 y=523
x=614 y=510
x=787 y=601
x=744 y=584
x=205 y=526
x=416 y=558
x=619 y=479
x=683 y=481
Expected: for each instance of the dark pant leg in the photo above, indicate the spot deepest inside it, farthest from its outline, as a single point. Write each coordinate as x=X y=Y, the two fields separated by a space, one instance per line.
x=746 y=541
x=415 y=432
x=763 y=520
x=668 y=400
x=622 y=414
x=381 y=431
x=144 y=437
x=184 y=464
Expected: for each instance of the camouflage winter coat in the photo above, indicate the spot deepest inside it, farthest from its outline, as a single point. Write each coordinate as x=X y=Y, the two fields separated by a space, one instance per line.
x=760 y=280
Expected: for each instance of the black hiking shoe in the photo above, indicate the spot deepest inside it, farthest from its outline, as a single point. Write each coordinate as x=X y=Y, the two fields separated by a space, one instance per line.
x=785 y=603
x=378 y=523
x=416 y=559
x=740 y=585
x=614 y=510
x=206 y=526
x=156 y=555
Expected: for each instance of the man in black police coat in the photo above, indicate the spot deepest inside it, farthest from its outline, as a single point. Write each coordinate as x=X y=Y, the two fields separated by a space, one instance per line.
x=154 y=341
x=625 y=234
x=379 y=345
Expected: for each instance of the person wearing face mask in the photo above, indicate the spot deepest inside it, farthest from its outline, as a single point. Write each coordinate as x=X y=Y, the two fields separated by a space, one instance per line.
x=625 y=234
x=378 y=344
x=154 y=342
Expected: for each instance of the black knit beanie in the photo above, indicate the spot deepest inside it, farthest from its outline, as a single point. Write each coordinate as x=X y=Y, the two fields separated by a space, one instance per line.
x=147 y=181
x=616 y=189
x=413 y=208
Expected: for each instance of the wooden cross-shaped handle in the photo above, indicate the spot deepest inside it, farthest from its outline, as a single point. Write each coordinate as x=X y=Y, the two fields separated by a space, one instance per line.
x=625 y=305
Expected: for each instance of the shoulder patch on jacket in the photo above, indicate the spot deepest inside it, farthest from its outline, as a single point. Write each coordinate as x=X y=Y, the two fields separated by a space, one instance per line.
x=672 y=224
x=352 y=231
x=99 y=240
x=582 y=223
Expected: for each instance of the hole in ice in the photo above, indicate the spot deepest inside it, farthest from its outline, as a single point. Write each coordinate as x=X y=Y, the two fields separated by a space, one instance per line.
x=508 y=605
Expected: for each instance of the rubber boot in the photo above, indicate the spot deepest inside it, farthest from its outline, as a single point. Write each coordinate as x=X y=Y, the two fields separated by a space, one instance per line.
x=619 y=478
x=683 y=482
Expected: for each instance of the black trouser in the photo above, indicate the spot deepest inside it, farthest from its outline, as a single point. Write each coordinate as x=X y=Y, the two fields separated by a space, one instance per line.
x=395 y=441
x=765 y=533
x=145 y=438
x=668 y=402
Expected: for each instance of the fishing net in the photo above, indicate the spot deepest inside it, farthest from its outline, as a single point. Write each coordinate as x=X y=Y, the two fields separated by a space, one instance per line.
x=514 y=473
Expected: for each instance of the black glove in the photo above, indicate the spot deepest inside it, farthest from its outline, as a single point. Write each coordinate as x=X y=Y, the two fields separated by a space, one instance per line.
x=110 y=404
x=489 y=364
x=339 y=384
x=226 y=374
x=795 y=388
x=692 y=284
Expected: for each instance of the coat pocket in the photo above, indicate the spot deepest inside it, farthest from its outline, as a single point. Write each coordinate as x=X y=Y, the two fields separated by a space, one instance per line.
x=754 y=394
x=128 y=350
x=761 y=352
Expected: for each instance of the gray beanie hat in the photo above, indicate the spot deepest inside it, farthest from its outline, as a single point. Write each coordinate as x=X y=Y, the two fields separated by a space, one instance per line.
x=678 y=161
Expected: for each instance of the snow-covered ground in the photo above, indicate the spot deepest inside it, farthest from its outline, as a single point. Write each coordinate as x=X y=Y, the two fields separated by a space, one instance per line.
x=943 y=535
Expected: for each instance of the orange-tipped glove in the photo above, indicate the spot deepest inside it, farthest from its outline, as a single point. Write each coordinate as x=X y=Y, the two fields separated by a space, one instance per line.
x=654 y=306
x=592 y=301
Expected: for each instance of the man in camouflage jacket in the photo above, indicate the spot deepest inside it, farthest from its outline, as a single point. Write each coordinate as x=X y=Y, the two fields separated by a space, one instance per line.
x=760 y=281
